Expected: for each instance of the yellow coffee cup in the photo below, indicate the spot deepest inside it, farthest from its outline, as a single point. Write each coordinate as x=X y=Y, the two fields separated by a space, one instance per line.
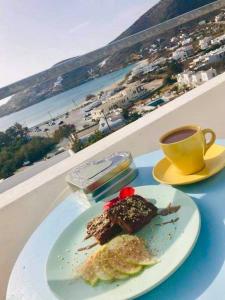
x=186 y=146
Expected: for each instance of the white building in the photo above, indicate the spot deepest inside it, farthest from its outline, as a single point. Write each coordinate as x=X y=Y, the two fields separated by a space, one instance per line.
x=205 y=43
x=218 y=40
x=174 y=39
x=215 y=56
x=145 y=67
x=186 y=41
x=179 y=54
x=220 y=17
x=185 y=78
x=183 y=52
x=111 y=123
x=209 y=74
x=122 y=99
x=210 y=58
x=195 y=78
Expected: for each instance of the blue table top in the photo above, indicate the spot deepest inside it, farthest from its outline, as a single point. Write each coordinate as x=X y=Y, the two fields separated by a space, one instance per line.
x=202 y=276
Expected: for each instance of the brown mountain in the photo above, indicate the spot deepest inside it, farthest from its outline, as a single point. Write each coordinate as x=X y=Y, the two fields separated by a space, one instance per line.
x=162 y=11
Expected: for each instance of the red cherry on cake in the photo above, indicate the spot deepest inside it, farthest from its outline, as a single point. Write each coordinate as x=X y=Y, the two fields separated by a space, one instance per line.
x=110 y=203
x=125 y=192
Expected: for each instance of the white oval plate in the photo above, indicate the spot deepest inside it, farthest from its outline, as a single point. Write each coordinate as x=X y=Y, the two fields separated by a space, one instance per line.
x=171 y=243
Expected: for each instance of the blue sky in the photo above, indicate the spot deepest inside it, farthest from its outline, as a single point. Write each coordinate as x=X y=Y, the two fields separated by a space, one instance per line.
x=35 y=34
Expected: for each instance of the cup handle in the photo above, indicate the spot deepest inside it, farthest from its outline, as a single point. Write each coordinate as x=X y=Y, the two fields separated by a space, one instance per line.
x=212 y=139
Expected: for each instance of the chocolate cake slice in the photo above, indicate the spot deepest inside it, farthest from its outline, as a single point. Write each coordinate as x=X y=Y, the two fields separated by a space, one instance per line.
x=102 y=228
x=132 y=213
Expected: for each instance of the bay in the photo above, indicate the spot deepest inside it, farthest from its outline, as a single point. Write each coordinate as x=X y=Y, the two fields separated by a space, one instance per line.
x=59 y=104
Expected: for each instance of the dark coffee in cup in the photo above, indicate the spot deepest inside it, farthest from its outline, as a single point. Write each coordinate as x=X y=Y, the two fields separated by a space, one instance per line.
x=178 y=136
x=185 y=147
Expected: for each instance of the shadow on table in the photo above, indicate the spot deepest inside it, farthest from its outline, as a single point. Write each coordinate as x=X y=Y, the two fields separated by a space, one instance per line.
x=213 y=183
x=202 y=267
x=144 y=177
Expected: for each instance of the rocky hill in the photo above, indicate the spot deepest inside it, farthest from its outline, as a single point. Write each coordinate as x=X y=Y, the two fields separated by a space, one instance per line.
x=162 y=11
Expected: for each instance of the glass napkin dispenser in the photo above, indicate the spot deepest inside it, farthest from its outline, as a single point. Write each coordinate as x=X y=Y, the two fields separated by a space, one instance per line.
x=98 y=179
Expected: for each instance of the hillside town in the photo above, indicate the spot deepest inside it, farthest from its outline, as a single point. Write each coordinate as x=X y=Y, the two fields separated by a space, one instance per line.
x=173 y=67
x=162 y=72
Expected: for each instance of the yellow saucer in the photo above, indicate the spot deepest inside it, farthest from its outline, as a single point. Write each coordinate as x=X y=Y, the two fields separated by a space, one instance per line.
x=165 y=172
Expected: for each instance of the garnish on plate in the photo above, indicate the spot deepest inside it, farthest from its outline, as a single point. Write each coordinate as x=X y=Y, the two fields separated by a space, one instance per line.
x=122 y=257
x=172 y=221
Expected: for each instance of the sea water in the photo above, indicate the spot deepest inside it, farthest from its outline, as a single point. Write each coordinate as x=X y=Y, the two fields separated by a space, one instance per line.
x=61 y=103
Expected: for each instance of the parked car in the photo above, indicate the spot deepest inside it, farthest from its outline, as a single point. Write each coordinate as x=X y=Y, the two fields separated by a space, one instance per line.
x=27 y=163
x=60 y=150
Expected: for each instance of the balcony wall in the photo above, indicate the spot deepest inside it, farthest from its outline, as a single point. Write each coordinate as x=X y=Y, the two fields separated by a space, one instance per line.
x=23 y=207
